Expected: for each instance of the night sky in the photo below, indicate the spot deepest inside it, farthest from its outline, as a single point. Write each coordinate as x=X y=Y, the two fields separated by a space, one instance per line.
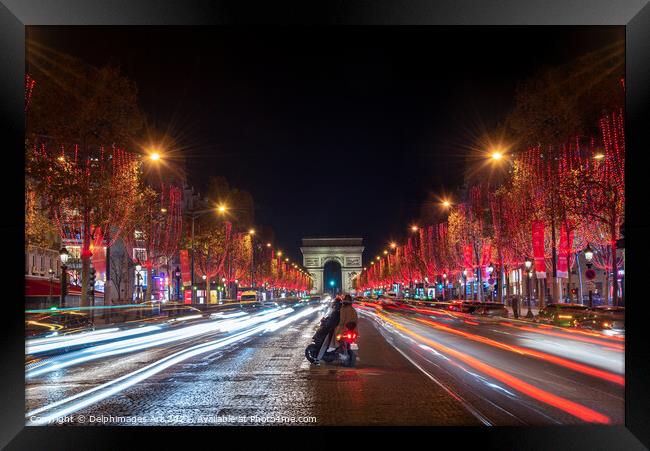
x=334 y=131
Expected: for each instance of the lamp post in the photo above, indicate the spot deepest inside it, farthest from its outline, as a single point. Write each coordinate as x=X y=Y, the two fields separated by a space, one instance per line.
x=177 y=273
x=207 y=288
x=51 y=273
x=138 y=276
x=590 y=273
x=464 y=283
x=529 y=264
x=490 y=270
x=251 y=232
x=444 y=286
x=64 y=256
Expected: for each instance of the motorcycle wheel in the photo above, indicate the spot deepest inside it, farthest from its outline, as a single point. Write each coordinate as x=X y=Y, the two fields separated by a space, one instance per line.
x=352 y=358
x=311 y=352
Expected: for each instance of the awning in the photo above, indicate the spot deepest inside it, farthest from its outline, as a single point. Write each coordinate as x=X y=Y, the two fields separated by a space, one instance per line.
x=40 y=287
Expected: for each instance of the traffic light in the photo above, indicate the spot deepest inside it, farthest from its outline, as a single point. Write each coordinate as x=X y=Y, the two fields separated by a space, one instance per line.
x=91 y=281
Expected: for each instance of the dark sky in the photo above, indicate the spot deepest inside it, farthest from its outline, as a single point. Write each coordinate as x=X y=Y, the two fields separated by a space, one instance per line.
x=334 y=131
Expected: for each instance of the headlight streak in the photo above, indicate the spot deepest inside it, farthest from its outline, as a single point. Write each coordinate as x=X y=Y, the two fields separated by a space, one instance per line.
x=139 y=343
x=227 y=315
x=575 y=409
x=56 y=338
x=185 y=318
x=36 y=347
x=123 y=382
x=275 y=325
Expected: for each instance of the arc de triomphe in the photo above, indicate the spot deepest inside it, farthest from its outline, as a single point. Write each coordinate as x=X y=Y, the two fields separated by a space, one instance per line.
x=346 y=251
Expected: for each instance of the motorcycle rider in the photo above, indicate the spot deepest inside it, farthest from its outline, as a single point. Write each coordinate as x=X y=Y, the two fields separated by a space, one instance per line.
x=346 y=315
x=330 y=325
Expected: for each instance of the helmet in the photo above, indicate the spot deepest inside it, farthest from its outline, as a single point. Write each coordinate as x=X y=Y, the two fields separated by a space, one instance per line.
x=347 y=299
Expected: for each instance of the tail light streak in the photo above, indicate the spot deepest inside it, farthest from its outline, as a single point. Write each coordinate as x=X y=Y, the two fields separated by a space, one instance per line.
x=578 y=410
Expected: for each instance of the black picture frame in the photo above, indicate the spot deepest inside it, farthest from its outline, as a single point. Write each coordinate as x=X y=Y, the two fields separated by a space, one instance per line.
x=16 y=14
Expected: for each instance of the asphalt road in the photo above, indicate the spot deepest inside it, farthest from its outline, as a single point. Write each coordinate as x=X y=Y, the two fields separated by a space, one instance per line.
x=422 y=367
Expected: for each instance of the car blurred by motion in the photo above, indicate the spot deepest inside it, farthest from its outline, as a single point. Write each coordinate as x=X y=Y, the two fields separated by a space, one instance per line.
x=56 y=323
x=464 y=306
x=606 y=319
x=564 y=315
x=491 y=309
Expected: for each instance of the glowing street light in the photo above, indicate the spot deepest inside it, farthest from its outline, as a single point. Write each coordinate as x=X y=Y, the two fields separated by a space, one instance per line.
x=528 y=263
x=393 y=245
x=496 y=155
x=446 y=203
x=385 y=252
x=414 y=228
x=154 y=156
x=251 y=232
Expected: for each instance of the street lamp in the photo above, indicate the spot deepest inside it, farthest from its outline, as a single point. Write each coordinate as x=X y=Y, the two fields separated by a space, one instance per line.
x=414 y=228
x=138 y=291
x=528 y=264
x=64 y=255
x=529 y=314
x=490 y=270
x=589 y=256
x=393 y=245
x=177 y=273
x=51 y=273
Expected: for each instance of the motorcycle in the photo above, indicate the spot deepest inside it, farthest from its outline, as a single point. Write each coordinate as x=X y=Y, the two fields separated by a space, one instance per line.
x=346 y=351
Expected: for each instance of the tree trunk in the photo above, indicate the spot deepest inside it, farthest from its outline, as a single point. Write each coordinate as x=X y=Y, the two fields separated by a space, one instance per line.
x=554 y=287
x=108 y=289
x=85 y=259
x=614 y=274
x=147 y=295
x=568 y=283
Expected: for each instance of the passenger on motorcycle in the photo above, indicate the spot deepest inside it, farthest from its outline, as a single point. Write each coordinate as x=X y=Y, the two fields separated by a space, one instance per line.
x=346 y=315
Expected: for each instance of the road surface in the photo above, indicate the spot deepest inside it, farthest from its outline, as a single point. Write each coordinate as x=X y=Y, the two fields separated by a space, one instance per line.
x=416 y=366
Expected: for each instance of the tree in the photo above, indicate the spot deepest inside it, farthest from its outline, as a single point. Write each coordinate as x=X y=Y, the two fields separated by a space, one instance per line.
x=596 y=186
x=78 y=123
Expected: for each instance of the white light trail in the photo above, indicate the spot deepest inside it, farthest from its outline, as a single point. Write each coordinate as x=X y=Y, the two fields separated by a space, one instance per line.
x=45 y=344
x=152 y=340
x=103 y=391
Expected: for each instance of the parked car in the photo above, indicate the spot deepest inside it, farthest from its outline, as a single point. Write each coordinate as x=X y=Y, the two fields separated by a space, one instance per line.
x=607 y=319
x=564 y=315
x=464 y=306
x=491 y=309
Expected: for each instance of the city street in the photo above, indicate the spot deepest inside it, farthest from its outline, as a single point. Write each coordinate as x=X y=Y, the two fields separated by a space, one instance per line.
x=416 y=366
